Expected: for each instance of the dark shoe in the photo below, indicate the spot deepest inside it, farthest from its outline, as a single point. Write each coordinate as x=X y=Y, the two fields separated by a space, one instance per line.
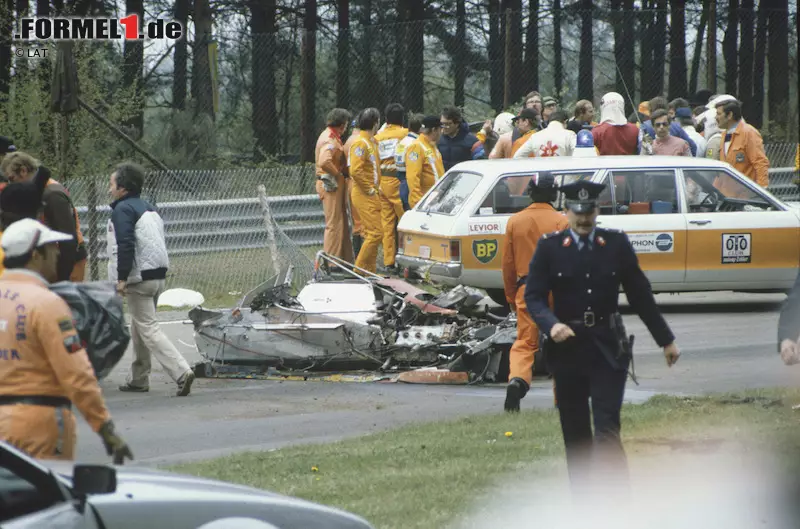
x=515 y=392
x=185 y=384
x=134 y=389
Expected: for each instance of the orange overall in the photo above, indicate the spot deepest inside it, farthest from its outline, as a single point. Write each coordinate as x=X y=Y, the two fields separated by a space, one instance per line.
x=522 y=234
x=330 y=160
x=41 y=358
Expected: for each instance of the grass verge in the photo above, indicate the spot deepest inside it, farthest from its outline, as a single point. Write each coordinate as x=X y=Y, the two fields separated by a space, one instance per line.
x=423 y=476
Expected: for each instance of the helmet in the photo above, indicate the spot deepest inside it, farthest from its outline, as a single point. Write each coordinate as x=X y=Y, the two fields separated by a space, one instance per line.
x=585 y=139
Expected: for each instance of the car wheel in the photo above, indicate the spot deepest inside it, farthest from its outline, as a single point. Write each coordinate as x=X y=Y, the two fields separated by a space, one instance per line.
x=498 y=295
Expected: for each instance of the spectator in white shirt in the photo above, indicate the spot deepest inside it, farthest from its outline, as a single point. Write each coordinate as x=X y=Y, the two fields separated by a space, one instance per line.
x=555 y=140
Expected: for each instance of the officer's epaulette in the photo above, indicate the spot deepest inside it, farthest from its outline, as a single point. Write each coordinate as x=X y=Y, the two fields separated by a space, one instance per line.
x=553 y=234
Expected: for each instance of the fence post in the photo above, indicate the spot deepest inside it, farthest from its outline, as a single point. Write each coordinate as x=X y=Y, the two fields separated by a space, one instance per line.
x=507 y=80
x=711 y=47
x=94 y=272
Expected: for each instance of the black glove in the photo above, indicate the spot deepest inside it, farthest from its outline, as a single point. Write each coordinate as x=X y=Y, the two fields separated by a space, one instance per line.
x=114 y=444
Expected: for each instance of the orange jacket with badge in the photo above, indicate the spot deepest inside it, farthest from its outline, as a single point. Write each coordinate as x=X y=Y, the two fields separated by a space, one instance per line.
x=387 y=140
x=523 y=232
x=329 y=154
x=746 y=153
x=364 y=165
x=40 y=351
x=424 y=167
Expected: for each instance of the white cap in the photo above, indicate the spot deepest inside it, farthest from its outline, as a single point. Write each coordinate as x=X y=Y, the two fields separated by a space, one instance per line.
x=503 y=122
x=725 y=98
x=20 y=236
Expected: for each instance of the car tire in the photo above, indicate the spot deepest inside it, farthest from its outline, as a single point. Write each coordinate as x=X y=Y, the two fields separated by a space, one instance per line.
x=498 y=295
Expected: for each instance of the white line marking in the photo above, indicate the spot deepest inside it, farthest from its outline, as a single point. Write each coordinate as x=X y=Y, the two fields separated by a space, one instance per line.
x=189 y=345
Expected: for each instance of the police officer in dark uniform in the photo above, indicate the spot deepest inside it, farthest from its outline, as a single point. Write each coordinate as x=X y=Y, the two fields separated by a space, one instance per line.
x=584 y=342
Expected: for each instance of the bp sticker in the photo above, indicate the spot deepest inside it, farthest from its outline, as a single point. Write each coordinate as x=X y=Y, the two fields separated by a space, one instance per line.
x=736 y=248
x=484 y=250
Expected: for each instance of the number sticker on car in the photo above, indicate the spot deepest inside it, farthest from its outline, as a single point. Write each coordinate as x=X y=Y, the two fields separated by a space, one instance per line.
x=736 y=248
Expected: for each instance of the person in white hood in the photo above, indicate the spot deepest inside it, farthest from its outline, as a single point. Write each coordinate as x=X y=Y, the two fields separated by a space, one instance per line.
x=614 y=135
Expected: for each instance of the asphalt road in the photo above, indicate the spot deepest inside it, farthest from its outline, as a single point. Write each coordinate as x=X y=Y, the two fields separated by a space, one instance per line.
x=727 y=341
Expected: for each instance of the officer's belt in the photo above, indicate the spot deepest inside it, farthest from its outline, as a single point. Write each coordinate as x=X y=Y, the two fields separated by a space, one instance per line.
x=36 y=400
x=590 y=319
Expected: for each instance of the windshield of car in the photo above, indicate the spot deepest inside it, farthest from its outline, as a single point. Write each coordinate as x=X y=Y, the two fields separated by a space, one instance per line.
x=450 y=193
x=720 y=184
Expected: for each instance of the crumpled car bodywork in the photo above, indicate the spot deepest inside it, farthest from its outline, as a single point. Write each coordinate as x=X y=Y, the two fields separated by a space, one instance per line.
x=350 y=320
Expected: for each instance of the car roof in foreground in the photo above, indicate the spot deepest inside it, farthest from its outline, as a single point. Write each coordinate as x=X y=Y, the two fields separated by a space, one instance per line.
x=555 y=163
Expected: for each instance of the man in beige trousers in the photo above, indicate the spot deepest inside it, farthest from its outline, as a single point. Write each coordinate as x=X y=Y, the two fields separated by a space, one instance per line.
x=138 y=263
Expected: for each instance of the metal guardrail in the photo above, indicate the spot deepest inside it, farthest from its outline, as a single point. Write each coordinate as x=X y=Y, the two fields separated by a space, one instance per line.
x=209 y=226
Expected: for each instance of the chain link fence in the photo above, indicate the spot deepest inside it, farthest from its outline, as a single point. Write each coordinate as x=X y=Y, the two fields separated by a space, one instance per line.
x=221 y=238
x=223 y=243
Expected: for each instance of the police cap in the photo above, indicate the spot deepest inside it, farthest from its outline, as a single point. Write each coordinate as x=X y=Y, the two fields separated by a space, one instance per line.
x=582 y=195
x=543 y=181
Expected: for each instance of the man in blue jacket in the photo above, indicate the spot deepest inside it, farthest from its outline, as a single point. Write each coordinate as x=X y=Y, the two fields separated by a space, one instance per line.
x=457 y=143
x=138 y=263
x=675 y=129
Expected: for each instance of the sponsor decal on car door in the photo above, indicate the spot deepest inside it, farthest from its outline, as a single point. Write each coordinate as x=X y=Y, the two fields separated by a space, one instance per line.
x=656 y=229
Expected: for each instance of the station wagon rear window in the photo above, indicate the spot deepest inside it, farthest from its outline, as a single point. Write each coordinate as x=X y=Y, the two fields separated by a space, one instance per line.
x=450 y=194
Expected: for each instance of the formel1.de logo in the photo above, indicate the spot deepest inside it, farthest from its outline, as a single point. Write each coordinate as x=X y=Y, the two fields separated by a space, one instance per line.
x=95 y=28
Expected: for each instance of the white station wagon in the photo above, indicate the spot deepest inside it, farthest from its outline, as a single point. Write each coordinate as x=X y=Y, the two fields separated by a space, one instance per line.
x=696 y=224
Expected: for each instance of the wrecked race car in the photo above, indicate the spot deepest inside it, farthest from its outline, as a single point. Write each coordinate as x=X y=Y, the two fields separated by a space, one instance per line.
x=348 y=319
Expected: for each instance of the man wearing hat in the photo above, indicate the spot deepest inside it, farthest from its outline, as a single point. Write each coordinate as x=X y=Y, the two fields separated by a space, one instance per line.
x=549 y=105
x=526 y=123
x=424 y=164
x=523 y=232
x=507 y=139
x=44 y=368
x=585 y=346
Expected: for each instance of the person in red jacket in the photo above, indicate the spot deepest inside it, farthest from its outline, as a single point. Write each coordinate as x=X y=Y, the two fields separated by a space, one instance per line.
x=614 y=135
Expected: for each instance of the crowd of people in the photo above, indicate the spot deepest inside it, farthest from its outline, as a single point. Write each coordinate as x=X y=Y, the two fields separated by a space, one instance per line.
x=367 y=181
